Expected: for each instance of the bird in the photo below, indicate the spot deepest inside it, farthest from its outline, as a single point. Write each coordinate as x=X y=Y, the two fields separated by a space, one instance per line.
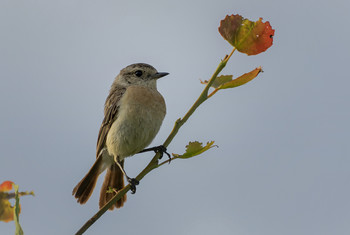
x=133 y=114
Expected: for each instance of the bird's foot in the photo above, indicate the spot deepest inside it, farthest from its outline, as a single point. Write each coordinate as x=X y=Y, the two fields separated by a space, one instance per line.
x=161 y=149
x=133 y=182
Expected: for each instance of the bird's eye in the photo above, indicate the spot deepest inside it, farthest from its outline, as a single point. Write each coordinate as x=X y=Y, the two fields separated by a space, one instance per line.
x=138 y=73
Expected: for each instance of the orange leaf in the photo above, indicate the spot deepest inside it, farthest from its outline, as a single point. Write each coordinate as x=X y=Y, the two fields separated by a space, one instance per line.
x=6 y=186
x=247 y=77
x=247 y=36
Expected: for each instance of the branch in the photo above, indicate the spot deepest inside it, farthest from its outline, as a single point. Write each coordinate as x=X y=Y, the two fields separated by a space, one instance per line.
x=154 y=162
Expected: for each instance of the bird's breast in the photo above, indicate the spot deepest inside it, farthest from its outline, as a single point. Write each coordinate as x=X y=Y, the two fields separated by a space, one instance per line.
x=140 y=116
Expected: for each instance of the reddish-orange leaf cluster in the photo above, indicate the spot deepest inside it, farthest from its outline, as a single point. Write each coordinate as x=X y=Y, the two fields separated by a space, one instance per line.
x=6 y=209
x=247 y=36
x=6 y=186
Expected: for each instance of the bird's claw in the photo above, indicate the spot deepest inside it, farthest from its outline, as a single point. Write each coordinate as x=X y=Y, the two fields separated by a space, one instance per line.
x=161 y=149
x=133 y=182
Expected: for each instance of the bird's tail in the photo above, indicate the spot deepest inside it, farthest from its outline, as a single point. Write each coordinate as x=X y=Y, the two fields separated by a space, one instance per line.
x=84 y=188
x=114 y=179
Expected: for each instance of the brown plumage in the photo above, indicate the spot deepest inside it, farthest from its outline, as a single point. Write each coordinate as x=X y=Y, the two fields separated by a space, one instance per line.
x=114 y=179
x=141 y=109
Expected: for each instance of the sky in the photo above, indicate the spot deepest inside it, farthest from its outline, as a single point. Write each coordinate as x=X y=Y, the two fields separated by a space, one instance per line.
x=282 y=165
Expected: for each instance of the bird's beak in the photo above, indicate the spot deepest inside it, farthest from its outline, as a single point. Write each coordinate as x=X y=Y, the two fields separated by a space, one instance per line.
x=159 y=75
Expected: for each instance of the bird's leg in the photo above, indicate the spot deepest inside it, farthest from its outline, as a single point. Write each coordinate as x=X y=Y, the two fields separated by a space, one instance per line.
x=132 y=181
x=161 y=149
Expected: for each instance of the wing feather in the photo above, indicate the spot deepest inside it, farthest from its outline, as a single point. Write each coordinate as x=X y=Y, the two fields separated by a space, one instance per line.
x=110 y=115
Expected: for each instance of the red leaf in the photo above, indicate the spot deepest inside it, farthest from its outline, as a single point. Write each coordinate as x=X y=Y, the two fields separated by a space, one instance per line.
x=246 y=36
x=6 y=186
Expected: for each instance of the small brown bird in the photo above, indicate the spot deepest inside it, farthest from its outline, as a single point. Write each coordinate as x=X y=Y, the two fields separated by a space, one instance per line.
x=134 y=111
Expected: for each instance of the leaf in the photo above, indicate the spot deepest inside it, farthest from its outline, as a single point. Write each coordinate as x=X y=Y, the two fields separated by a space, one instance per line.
x=238 y=81
x=17 y=208
x=6 y=186
x=219 y=80
x=241 y=80
x=195 y=148
x=247 y=36
x=6 y=211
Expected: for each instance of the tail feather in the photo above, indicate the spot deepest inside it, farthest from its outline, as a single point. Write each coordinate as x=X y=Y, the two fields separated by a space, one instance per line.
x=113 y=179
x=84 y=188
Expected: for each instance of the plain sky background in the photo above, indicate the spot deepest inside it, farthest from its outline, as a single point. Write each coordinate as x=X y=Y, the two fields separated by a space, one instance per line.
x=283 y=162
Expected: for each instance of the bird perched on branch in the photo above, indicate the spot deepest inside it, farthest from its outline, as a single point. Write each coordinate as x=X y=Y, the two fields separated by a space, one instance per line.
x=134 y=111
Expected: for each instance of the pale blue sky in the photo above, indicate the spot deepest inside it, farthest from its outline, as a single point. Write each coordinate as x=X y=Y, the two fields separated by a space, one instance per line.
x=283 y=162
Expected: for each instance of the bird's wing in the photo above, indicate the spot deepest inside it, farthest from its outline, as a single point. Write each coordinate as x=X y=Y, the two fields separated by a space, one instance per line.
x=111 y=113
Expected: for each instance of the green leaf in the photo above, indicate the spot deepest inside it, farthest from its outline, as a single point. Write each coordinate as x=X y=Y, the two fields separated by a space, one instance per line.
x=195 y=148
x=17 y=208
x=247 y=77
x=219 y=80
